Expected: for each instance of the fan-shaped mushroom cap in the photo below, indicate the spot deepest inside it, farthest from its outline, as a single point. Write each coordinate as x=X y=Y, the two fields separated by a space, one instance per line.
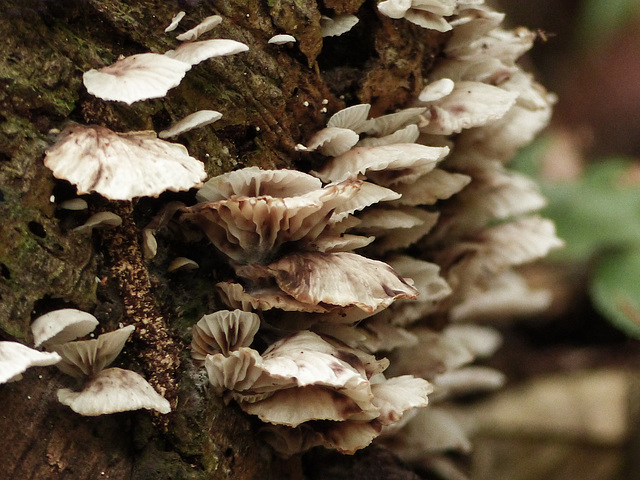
x=195 y=120
x=74 y=204
x=360 y=160
x=121 y=166
x=281 y=39
x=252 y=229
x=332 y=141
x=192 y=53
x=470 y=104
x=135 y=78
x=394 y=396
x=436 y=185
x=100 y=220
x=437 y=90
x=388 y=124
x=182 y=263
x=408 y=134
x=237 y=371
x=61 y=326
x=341 y=278
x=255 y=182
x=203 y=27
x=86 y=358
x=15 y=358
x=505 y=296
x=234 y=296
x=333 y=27
x=174 y=22
x=353 y=117
x=223 y=332
x=114 y=390
x=409 y=226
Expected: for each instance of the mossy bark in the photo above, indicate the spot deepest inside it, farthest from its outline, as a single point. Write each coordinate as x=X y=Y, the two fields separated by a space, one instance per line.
x=272 y=98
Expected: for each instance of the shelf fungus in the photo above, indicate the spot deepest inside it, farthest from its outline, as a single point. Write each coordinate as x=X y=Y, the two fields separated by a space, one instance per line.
x=104 y=390
x=135 y=78
x=121 y=166
x=15 y=358
x=305 y=382
x=61 y=326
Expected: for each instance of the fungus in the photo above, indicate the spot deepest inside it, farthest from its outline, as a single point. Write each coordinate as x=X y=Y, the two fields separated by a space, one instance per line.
x=15 y=358
x=425 y=13
x=113 y=390
x=340 y=278
x=74 y=204
x=252 y=229
x=105 y=390
x=360 y=160
x=174 y=22
x=223 y=332
x=338 y=25
x=195 y=120
x=203 y=27
x=135 y=78
x=192 y=53
x=99 y=220
x=61 y=326
x=121 y=166
x=281 y=39
x=182 y=263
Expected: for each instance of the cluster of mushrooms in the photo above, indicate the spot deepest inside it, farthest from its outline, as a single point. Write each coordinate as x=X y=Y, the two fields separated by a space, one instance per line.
x=413 y=216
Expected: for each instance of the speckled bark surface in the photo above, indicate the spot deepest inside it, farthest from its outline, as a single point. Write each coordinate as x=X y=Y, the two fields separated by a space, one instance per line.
x=271 y=97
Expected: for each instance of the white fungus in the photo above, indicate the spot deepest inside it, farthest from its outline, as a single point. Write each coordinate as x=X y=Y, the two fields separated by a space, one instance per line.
x=192 y=53
x=203 y=27
x=174 y=22
x=195 y=120
x=121 y=166
x=135 y=78
x=281 y=39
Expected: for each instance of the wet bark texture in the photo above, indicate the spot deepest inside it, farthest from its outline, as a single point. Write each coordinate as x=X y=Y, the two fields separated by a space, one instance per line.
x=272 y=98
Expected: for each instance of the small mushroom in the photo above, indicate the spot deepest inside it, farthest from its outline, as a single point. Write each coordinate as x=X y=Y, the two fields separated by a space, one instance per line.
x=182 y=263
x=192 y=53
x=281 y=39
x=135 y=78
x=15 y=358
x=74 y=204
x=61 y=326
x=174 y=22
x=190 y=122
x=360 y=160
x=223 y=332
x=99 y=220
x=113 y=390
x=338 y=25
x=341 y=279
x=107 y=390
x=203 y=27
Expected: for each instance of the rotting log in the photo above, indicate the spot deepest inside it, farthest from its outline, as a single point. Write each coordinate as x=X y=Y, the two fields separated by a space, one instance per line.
x=272 y=98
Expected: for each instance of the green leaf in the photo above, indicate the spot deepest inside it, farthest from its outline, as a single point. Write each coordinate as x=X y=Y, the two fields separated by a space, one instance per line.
x=598 y=211
x=615 y=290
x=600 y=19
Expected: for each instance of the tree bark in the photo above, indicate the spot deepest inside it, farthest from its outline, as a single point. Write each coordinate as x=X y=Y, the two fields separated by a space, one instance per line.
x=272 y=98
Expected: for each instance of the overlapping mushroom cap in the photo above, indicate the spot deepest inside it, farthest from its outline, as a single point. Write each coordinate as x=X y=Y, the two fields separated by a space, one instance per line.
x=121 y=166
x=105 y=390
x=305 y=378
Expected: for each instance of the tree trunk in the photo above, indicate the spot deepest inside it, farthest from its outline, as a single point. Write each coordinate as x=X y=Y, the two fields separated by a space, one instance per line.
x=272 y=98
